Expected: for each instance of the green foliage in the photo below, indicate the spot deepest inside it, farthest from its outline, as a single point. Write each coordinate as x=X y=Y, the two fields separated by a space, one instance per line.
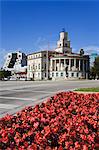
x=94 y=71
x=93 y=89
x=4 y=74
x=96 y=65
x=1 y=74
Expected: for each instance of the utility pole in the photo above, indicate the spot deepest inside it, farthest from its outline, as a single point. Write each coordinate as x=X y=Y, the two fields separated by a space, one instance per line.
x=47 y=63
x=47 y=59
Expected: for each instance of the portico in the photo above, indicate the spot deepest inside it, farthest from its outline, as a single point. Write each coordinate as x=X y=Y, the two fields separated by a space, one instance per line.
x=68 y=67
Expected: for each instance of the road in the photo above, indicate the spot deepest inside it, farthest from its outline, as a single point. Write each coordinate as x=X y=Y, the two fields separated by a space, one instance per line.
x=15 y=95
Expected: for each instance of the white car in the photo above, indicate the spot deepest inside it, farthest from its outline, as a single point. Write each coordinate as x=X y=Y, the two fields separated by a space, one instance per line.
x=5 y=79
x=13 y=79
x=23 y=79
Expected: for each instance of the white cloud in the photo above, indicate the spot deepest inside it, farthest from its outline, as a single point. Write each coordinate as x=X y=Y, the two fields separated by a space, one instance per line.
x=44 y=44
x=3 y=53
x=91 y=49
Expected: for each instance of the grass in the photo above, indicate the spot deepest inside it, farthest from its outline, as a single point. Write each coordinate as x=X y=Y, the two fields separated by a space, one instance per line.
x=93 y=89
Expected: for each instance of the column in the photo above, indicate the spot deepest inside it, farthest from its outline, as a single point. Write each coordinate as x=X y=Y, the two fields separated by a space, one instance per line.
x=51 y=67
x=64 y=63
x=83 y=66
x=79 y=64
x=53 y=64
x=69 y=65
x=59 y=64
x=75 y=63
x=87 y=66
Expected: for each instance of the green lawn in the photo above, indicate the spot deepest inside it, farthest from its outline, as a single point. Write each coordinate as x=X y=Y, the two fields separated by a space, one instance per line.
x=93 y=89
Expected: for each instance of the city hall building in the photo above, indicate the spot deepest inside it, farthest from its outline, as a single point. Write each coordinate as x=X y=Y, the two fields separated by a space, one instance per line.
x=60 y=63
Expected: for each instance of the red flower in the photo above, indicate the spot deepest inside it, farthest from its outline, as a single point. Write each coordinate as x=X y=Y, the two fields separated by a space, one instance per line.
x=36 y=124
x=65 y=120
x=60 y=148
x=85 y=147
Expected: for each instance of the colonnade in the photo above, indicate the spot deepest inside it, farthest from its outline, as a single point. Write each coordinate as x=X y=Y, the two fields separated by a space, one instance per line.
x=74 y=64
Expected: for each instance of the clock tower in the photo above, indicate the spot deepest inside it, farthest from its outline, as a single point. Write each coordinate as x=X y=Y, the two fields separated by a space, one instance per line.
x=63 y=44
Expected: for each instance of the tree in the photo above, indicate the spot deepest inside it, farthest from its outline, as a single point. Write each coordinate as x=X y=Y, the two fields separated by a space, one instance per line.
x=4 y=74
x=96 y=66
x=1 y=74
x=94 y=71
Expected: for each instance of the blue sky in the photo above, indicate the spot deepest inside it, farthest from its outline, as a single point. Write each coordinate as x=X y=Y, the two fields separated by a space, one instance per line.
x=30 y=25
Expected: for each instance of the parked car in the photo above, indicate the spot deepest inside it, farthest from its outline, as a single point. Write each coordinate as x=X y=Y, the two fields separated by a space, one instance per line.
x=23 y=79
x=13 y=79
x=5 y=79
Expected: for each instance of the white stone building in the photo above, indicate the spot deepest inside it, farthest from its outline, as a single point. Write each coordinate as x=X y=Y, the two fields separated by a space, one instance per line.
x=59 y=63
x=69 y=66
x=38 y=65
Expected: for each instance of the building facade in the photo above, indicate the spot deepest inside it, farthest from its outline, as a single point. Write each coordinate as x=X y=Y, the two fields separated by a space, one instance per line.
x=69 y=66
x=92 y=58
x=59 y=63
x=38 y=65
x=16 y=63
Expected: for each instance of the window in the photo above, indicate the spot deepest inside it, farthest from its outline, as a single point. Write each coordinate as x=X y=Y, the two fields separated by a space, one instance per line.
x=39 y=66
x=77 y=74
x=61 y=74
x=45 y=74
x=53 y=74
x=56 y=68
x=57 y=74
x=72 y=74
x=45 y=67
x=29 y=67
x=33 y=66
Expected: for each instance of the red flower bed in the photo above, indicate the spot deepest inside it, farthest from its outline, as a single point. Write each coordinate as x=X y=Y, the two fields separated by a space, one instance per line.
x=66 y=121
